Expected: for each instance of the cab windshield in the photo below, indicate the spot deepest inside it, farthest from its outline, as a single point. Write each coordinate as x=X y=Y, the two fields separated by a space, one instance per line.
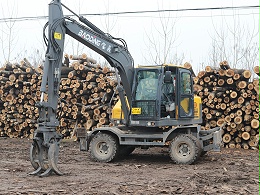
x=147 y=85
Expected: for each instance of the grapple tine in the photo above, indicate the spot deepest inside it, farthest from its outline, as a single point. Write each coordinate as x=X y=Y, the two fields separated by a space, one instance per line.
x=53 y=157
x=34 y=155
x=36 y=172
x=56 y=170
x=47 y=172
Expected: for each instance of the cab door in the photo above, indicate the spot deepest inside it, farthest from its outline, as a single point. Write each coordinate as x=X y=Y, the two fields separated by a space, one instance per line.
x=145 y=102
x=185 y=100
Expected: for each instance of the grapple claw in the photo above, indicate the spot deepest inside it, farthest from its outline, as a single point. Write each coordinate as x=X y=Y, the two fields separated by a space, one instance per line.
x=36 y=172
x=44 y=157
x=53 y=152
x=46 y=172
x=35 y=155
x=53 y=157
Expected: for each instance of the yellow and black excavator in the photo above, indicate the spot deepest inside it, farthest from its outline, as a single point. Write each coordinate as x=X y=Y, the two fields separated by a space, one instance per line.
x=157 y=106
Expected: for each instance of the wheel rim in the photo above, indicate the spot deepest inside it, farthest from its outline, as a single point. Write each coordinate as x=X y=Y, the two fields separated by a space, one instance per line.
x=183 y=150
x=53 y=157
x=102 y=148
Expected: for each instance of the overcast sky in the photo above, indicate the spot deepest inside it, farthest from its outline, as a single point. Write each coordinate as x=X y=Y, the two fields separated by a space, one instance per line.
x=191 y=36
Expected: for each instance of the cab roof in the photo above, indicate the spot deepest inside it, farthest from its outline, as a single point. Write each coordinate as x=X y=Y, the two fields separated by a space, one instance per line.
x=188 y=67
x=162 y=65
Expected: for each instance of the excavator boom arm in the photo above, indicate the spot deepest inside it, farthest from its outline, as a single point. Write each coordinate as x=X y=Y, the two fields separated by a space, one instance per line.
x=117 y=55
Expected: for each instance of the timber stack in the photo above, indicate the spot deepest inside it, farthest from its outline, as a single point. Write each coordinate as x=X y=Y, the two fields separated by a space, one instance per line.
x=86 y=89
x=230 y=98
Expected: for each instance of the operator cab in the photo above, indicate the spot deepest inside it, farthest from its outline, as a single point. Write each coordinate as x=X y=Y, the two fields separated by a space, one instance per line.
x=162 y=95
x=159 y=91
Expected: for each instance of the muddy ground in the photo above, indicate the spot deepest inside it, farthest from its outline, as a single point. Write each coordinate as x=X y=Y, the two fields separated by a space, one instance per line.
x=231 y=171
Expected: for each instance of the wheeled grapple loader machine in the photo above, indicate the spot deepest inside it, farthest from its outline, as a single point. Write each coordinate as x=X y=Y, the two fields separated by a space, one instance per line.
x=157 y=106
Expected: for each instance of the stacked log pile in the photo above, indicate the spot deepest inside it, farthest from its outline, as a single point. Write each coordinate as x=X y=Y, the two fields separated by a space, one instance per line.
x=19 y=83
x=85 y=93
x=86 y=90
x=230 y=100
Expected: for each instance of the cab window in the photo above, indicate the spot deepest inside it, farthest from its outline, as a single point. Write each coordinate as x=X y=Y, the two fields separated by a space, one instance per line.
x=147 y=85
x=185 y=83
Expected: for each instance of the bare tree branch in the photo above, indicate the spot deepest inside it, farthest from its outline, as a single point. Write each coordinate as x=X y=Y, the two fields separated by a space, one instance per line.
x=236 y=42
x=162 y=39
x=8 y=40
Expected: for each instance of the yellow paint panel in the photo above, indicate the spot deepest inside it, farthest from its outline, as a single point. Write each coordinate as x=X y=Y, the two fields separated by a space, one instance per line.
x=185 y=104
x=117 y=112
x=197 y=103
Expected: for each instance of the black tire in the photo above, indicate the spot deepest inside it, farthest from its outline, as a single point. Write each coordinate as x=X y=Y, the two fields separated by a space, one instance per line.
x=184 y=149
x=125 y=150
x=103 y=148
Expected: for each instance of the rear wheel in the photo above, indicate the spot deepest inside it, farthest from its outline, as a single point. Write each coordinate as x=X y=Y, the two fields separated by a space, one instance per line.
x=103 y=147
x=184 y=149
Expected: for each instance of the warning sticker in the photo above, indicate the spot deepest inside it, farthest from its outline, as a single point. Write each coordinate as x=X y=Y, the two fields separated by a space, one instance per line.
x=136 y=110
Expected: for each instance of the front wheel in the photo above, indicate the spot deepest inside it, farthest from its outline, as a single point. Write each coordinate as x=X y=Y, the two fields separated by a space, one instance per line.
x=184 y=149
x=103 y=147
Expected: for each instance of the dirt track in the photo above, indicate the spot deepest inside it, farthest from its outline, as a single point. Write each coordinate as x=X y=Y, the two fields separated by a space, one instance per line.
x=143 y=172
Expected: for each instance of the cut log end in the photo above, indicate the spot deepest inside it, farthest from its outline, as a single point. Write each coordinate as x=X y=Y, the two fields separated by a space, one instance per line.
x=226 y=138
x=245 y=135
x=255 y=123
